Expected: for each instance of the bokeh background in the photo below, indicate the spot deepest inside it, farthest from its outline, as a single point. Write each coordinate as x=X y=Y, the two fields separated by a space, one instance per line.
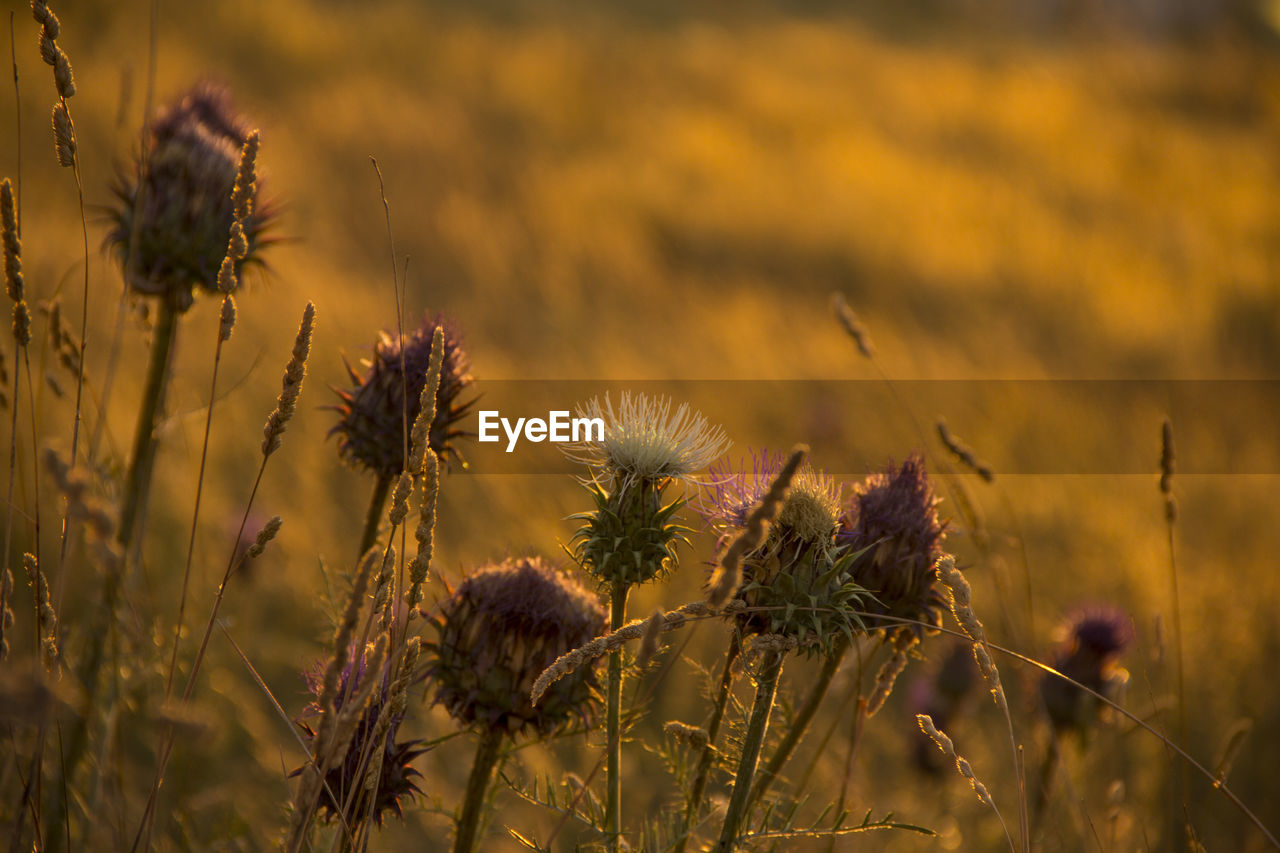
x=663 y=196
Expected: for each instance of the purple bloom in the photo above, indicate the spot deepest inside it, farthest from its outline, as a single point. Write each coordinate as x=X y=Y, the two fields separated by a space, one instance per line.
x=345 y=781
x=893 y=516
x=371 y=429
x=1092 y=641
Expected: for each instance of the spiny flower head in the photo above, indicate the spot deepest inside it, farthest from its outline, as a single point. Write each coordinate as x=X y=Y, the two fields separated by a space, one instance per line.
x=893 y=520
x=396 y=779
x=797 y=583
x=371 y=429
x=497 y=632
x=810 y=513
x=645 y=441
x=181 y=212
x=1092 y=639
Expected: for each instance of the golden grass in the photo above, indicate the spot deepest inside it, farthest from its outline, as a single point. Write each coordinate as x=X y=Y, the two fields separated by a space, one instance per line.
x=600 y=197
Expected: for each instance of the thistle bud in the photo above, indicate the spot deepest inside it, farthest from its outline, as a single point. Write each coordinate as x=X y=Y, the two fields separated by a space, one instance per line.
x=183 y=206
x=497 y=632
x=371 y=428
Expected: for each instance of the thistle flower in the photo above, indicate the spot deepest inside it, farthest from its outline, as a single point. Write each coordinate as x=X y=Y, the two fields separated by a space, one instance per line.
x=396 y=779
x=631 y=535
x=893 y=519
x=497 y=632
x=1092 y=641
x=797 y=583
x=644 y=440
x=181 y=209
x=371 y=429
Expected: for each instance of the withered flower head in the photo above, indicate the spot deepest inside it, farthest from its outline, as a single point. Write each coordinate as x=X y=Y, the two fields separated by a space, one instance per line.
x=498 y=631
x=892 y=524
x=371 y=429
x=181 y=213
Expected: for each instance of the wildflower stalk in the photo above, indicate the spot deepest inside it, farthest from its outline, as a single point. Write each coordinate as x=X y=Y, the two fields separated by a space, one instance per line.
x=613 y=720
x=799 y=723
x=757 y=727
x=141 y=463
x=703 y=771
x=377 y=503
x=487 y=752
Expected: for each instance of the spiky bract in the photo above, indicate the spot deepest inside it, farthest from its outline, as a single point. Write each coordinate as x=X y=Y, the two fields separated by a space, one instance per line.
x=182 y=213
x=797 y=583
x=397 y=776
x=497 y=632
x=631 y=536
x=893 y=517
x=371 y=430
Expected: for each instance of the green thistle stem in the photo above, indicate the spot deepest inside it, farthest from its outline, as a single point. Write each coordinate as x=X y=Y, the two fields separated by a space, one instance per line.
x=377 y=503
x=613 y=800
x=800 y=723
x=477 y=789
x=708 y=752
x=138 y=482
x=757 y=727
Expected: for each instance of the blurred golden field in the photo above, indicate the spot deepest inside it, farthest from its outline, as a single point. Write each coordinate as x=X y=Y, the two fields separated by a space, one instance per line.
x=664 y=198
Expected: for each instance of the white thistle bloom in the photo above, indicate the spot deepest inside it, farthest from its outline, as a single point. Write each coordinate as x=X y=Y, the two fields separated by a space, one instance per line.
x=644 y=440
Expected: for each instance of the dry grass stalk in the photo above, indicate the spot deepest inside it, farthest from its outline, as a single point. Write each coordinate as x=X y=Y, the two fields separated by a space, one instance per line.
x=852 y=325
x=964 y=453
x=728 y=577
x=601 y=646
x=420 y=435
x=962 y=765
x=6 y=612
x=400 y=499
x=650 y=640
x=888 y=675
x=693 y=736
x=265 y=535
x=46 y=618
x=425 y=532
x=294 y=373
x=397 y=700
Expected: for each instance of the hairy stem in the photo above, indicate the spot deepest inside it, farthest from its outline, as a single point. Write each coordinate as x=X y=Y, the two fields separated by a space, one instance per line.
x=477 y=789
x=703 y=771
x=141 y=464
x=757 y=727
x=613 y=769
x=800 y=723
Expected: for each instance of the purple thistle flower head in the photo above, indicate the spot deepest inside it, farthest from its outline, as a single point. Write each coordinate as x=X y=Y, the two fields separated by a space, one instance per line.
x=371 y=428
x=498 y=631
x=397 y=775
x=730 y=494
x=1105 y=632
x=181 y=210
x=893 y=514
x=1092 y=640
